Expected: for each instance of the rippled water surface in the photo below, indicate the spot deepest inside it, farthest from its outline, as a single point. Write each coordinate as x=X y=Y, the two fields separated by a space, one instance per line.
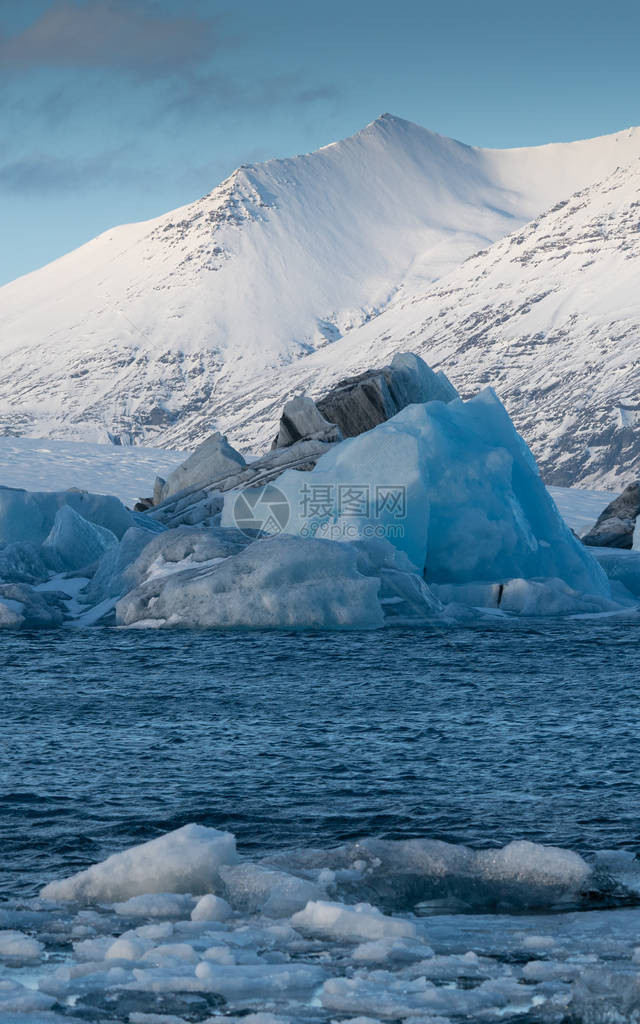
x=483 y=735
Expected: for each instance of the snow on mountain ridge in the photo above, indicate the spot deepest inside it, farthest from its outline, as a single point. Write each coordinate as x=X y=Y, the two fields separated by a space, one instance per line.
x=151 y=331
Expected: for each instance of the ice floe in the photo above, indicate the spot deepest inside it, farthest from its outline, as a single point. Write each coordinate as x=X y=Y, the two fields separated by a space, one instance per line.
x=184 y=928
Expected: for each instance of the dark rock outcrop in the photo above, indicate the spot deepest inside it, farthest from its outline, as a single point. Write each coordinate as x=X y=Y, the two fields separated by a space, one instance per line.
x=302 y=420
x=615 y=525
x=360 y=403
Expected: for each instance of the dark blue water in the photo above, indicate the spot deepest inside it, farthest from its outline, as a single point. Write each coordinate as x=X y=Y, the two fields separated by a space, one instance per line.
x=108 y=738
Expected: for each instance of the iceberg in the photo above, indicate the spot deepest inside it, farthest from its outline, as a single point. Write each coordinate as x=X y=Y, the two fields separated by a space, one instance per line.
x=74 y=542
x=252 y=888
x=621 y=566
x=454 y=487
x=213 y=459
x=284 y=582
x=374 y=486
x=141 y=555
x=437 y=512
x=30 y=515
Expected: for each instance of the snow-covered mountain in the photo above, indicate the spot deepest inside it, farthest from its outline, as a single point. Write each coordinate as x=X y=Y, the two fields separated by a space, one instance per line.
x=289 y=274
x=549 y=315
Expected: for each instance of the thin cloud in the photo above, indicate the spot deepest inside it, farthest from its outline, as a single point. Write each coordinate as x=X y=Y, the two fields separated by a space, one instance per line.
x=135 y=37
x=43 y=173
x=227 y=95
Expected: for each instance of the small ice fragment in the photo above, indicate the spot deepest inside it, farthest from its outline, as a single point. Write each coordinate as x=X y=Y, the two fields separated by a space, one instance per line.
x=211 y=908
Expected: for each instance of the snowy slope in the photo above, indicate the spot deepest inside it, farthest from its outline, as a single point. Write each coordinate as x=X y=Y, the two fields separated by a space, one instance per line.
x=156 y=331
x=550 y=316
x=127 y=472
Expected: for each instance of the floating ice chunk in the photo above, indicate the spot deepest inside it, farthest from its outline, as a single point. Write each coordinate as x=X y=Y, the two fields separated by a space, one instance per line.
x=156 y=931
x=521 y=874
x=171 y=953
x=622 y=867
x=538 y=942
x=18 y=999
x=184 y=861
x=389 y=996
x=393 y=950
x=211 y=908
x=252 y=887
x=137 y=1017
x=85 y=976
x=127 y=947
x=535 y=864
x=16 y=946
x=161 y=904
x=258 y=981
x=350 y=923
x=602 y=995
x=220 y=955
x=546 y=970
x=74 y=542
x=257 y=1018
x=91 y=950
x=458 y=966
x=30 y=515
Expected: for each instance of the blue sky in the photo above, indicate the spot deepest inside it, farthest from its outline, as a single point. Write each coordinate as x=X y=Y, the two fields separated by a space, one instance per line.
x=118 y=110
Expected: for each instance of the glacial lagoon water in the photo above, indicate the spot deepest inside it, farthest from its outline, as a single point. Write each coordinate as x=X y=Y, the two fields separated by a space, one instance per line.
x=306 y=742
